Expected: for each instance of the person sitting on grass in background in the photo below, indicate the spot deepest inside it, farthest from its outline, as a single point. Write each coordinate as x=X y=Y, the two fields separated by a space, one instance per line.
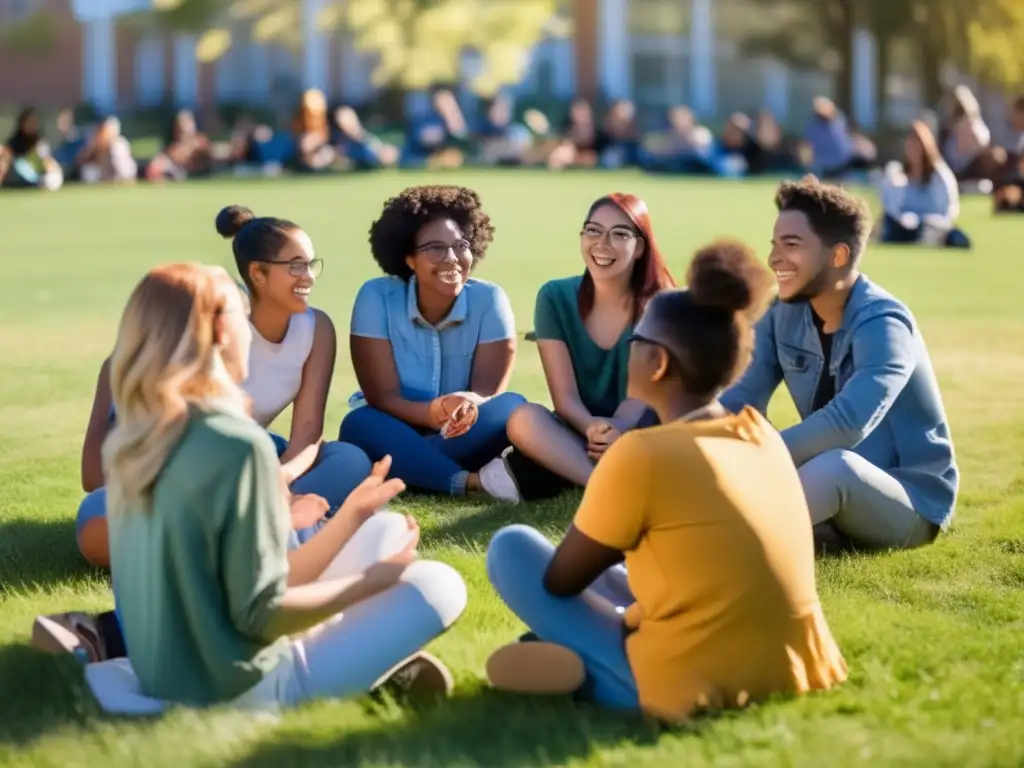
x=873 y=447
x=188 y=152
x=106 y=156
x=25 y=159
x=708 y=513
x=433 y=347
x=312 y=133
x=582 y=326
x=921 y=197
x=359 y=147
x=214 y=624
x=291 y=364
x=350 y=533
x=1009 y=195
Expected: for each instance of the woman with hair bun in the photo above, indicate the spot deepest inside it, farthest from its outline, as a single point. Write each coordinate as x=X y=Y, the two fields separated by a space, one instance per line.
x=716 y=604
x=291 y=363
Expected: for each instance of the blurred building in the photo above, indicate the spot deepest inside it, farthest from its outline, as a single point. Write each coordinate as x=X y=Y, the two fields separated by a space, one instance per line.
x=655 y=52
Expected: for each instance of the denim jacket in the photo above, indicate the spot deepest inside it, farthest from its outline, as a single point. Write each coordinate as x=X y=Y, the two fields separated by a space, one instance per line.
x=887 y=406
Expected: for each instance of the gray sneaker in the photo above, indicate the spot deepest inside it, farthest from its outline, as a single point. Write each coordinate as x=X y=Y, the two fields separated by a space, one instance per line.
x=420 y=677
x=498 y=481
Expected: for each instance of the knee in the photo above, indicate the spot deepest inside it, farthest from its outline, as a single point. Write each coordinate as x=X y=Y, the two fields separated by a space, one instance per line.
x=348 y=458
x=524 y=422
x=93 y=506
x=358 y=423
x=829 y=469
x=93 y=542
x=387 y=525
x=441 y=587
x=509 y=548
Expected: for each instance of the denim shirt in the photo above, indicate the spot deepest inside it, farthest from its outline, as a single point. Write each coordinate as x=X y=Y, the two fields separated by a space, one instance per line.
x=431 y=360
x=887 y=406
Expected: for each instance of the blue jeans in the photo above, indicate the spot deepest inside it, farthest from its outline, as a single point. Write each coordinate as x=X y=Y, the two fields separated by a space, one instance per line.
x=427 y=461
x=339 y=468
x=590 y=624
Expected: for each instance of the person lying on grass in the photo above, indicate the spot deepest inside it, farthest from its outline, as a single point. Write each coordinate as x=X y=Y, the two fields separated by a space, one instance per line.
x=873 y=446
x=433 y=348
x=214 y=610
x=708 y=513
x=291 y=363
x=582 y=326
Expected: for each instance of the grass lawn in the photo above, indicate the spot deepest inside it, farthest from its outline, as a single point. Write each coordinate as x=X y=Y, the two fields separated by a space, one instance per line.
x=934 y=638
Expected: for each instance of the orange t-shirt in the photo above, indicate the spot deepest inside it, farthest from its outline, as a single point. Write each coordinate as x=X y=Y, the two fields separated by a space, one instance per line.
x=720 y=557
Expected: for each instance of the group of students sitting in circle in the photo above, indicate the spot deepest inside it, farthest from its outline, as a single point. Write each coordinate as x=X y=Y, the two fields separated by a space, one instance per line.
x=261 y=572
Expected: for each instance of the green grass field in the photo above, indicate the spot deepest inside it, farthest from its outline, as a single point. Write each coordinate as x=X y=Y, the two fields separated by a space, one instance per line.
x=934 y=639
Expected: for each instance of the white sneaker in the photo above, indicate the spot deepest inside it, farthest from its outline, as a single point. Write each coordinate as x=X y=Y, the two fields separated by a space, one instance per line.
x=497 y=481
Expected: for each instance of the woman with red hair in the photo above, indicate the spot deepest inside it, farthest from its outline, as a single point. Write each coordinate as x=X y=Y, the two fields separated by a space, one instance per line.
x=583 y=325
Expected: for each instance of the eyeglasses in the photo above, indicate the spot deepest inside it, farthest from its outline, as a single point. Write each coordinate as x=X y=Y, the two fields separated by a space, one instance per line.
x=617 y=236
x=300 y=267
x=437 y=251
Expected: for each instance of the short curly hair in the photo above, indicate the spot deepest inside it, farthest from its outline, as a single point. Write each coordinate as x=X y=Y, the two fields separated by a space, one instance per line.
x=393 y=235
x=835 y=215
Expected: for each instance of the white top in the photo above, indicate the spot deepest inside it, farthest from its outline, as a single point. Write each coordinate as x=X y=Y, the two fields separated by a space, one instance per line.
x=275 y=370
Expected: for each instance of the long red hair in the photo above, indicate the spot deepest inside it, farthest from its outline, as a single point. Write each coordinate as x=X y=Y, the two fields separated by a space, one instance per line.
x=650 y=273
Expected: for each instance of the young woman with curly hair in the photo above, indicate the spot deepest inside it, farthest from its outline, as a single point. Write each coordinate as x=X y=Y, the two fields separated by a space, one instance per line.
x=433 y=348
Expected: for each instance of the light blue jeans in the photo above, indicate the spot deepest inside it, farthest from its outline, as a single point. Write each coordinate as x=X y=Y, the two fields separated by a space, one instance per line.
x=590 y=624
x=339 y=468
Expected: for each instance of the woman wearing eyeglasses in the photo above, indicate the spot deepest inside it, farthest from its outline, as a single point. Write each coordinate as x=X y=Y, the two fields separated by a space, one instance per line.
x=583 y=325
x=291 y=363
x=720 y=606
x=433 y=348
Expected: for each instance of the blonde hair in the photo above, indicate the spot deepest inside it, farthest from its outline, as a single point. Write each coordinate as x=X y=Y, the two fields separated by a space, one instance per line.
x=166 y=360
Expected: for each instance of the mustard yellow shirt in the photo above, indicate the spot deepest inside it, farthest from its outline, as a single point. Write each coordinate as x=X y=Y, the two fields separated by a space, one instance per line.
x=720 y=557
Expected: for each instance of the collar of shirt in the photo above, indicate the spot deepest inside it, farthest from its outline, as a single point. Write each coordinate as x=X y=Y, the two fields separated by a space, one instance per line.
x=455 y=316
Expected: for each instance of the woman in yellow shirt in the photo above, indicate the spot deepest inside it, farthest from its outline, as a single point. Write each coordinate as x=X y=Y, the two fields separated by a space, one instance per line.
x=717 y=603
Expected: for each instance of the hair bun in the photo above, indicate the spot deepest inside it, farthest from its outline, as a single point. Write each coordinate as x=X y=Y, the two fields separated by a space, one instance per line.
x=231 y=220
x=726 y=275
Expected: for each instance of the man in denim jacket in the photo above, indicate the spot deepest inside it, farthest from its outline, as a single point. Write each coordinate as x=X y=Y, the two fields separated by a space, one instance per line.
x=873 y=447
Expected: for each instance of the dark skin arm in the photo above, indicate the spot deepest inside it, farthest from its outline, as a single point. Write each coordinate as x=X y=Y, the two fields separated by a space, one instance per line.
x=374 y=364
x=492 y=367
x=96 y=432
x=311 y=402
x=577 y=562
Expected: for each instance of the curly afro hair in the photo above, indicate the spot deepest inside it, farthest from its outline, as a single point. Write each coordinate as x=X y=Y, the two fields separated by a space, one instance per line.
x=393 y=235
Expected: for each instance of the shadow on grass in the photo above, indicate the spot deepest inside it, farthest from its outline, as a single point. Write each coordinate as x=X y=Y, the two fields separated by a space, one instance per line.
x=41 y=693
x=39 y=552
x=552 y=517
x=481 y=729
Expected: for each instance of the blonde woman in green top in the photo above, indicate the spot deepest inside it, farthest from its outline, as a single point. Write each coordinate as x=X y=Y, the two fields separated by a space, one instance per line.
x=583 y=325
x=199 y=525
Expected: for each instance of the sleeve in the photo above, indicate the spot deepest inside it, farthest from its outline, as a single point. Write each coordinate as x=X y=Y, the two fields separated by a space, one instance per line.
x=883 y=351
x=764 y=374
x=892 y=196
x=370 y=312
x=546 y=323
x=498 y=323
x=614 y=507
x=945 y=197
x=255 y=542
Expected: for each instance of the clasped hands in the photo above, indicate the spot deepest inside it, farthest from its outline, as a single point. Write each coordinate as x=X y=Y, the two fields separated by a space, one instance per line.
x=600 y=434
x=453 y=415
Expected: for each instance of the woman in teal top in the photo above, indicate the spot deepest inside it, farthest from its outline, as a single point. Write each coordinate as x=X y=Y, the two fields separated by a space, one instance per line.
x=583 y=325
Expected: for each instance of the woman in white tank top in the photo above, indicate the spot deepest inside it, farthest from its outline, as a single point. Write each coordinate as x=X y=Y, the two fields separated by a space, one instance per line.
x=291 y=363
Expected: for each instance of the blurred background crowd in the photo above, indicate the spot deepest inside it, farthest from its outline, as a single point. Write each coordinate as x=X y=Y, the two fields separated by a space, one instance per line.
x=924 y=100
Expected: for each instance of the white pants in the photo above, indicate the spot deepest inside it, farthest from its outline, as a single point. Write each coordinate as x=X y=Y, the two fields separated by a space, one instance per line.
x=345 y=655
